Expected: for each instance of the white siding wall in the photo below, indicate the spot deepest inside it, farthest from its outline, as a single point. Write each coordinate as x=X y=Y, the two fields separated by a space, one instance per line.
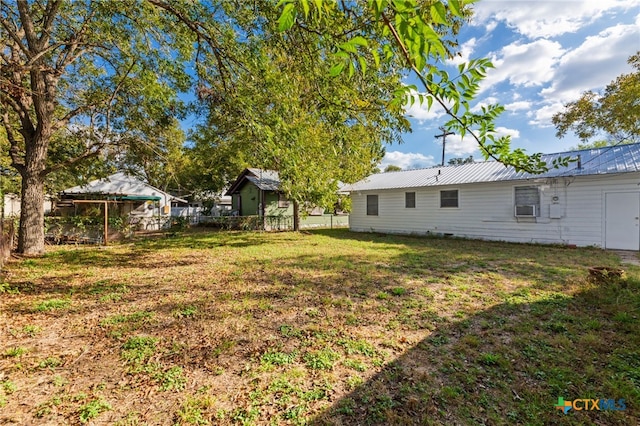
x=12 y=205
x=486 y=211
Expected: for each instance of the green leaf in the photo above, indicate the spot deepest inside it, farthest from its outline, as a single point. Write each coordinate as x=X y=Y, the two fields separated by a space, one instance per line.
x=429 y=102
x=376 y=58
x=439 y=14
x=336 y=69
x=454 y=5
x=287 y=18
x=378 y=7
x=348 y=46
x=360 y=41
x=305 y=7
x=363 y=64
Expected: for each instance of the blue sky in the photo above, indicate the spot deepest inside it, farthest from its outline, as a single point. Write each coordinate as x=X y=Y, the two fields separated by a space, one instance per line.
x=545 y=53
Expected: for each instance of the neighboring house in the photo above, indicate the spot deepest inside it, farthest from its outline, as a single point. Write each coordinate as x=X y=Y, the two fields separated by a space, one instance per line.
x=595 y=201
x=204 y=210
x=222 y=206
x=256 y=193
x=126 y=196
x=11 y=206
x=211 y=203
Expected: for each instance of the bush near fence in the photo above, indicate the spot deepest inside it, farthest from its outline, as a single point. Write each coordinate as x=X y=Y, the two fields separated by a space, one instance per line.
x=7 y=233
x=272 y=223
x=83 y=229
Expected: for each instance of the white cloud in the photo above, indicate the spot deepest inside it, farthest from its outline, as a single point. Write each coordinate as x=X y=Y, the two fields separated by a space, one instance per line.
x=505 y=131
x=527 y=65
x=536 y=19
x=490 y=26
x=459 y=147
x=593 y=64
x=406 y=160
x=541 y=117
x=518 y=106
x=590 y=66
x=421 y=111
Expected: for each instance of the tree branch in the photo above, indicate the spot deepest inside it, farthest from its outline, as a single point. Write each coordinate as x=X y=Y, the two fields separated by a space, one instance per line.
x=49 y=16
x=27 y=25
x=202 y=33
x=68 y=55
x=425 y=83
x=14 y=33
x=13 y=94
x=91 y=151
x=17 y=161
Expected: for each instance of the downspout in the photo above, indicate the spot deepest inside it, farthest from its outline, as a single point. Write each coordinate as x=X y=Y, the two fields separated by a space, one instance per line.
x=261 y=208
x=106 y=222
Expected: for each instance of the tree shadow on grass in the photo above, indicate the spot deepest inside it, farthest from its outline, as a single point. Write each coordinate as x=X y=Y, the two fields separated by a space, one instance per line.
x=496 y=352
x=469 y=336
x=510 y=364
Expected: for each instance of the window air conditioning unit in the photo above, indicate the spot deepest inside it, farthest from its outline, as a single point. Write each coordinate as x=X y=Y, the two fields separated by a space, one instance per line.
x=525 y=211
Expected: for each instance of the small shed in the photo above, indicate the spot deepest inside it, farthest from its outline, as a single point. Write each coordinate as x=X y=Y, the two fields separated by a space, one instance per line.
x=256 y=192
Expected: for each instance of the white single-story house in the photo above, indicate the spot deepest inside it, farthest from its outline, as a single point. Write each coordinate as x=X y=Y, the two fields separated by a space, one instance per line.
x=126 y=196
x=594 y=201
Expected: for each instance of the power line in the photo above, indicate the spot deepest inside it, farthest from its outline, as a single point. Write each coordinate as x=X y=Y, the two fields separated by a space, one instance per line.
x=444 y=140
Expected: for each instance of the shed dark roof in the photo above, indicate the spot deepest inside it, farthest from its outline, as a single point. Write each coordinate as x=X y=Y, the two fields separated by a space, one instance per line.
x=266 y=180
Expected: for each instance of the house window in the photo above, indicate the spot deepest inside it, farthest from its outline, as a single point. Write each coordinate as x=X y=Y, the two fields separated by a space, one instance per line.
x=410 y=200
x=283 y=203
x=372 y=205
x=449 y=198
x=527 y=201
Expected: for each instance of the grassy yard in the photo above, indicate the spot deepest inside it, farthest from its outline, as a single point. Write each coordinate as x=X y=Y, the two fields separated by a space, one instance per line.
x=325 y=327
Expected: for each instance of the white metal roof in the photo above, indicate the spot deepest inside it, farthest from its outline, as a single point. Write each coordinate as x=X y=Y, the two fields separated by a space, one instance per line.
x=597 y=161
x=121 y=184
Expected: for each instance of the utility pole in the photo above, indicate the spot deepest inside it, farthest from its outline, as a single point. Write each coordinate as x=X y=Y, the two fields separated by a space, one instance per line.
x=443 y=135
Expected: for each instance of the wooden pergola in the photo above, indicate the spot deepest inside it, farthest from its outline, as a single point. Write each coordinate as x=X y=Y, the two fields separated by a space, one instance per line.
x=106 y=215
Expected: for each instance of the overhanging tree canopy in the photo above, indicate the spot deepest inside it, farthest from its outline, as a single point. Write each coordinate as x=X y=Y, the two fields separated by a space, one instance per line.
x=102 y=65
x=288 y=113
x=415 y=36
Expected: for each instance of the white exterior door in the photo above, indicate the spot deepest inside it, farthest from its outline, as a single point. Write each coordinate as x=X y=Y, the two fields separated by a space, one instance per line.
x=622 y=220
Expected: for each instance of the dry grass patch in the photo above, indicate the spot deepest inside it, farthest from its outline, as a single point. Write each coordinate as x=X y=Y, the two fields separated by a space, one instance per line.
x=326 y=327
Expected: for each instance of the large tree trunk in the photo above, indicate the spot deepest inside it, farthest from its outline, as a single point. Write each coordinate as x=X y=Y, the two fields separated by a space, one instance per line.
x=296 y=216
x=31 y=232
